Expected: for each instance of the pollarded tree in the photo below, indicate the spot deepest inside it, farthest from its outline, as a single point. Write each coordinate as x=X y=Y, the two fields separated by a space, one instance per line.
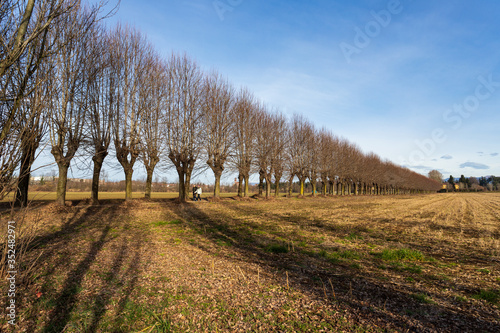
x=102 y=89
x=153 y=97
x=130 y=51
x=357 y=168
x=69 y=99
x=25 y=45
x=34 y=124
x=301 y=130
x=279 y=144
x=313 y=145
x=264 y=148
x=185 y=128
x=218 y=119
x=244 y=138
x=326 y=160
x=372 y=173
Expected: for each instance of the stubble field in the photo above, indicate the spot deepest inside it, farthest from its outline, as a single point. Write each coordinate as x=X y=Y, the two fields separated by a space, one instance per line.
x=334 y=264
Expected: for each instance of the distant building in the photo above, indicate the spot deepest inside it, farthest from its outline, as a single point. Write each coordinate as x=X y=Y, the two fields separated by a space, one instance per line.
x=36 y=179
x=80 y=180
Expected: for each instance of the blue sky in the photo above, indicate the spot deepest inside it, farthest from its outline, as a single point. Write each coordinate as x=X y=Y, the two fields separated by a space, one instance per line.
x=417 y=82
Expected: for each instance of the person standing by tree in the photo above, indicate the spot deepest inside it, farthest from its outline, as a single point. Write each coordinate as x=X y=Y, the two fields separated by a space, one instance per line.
x=195 y=191
x=198 y=191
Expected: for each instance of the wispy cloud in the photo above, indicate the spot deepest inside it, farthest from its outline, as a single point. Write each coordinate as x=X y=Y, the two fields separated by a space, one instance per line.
x=473 y=165
x=419 y=167
x=446 y=157
x=494 y=154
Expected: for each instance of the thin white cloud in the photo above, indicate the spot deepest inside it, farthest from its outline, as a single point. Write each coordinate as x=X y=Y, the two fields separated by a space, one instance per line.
x=473 y=165
x=446 y=157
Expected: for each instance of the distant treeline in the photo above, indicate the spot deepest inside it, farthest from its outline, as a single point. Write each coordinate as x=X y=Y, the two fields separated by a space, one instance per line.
x=475 y=184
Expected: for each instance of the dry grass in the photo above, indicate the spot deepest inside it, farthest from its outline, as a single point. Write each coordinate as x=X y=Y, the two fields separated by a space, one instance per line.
x=422 y=263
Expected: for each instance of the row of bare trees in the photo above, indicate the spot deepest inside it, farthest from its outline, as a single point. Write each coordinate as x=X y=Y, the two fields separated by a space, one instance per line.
x=89 y=90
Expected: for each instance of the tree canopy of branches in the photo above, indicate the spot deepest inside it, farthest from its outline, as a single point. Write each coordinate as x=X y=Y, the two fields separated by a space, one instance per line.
x=69 y=98
x=184 y=118
x=218 y=118
x=131 y=56
x=244 y=138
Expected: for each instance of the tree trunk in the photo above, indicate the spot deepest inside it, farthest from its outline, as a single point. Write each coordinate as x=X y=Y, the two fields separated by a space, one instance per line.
x=277 y=188
x=95 y=178
x=301 y=187
x=61 y=183
x=261 y=184
x=240 y=185
x=313 y=188
x=245 y=177
x=187 y=185
x=180 y=172
x=277 y=179
x=23 y=183
x=217 y=174
x=268 y=187
x=149 y=182
x=128 y=183
x=290 y=183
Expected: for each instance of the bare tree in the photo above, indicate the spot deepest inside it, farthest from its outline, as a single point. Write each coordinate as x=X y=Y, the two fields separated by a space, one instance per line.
x=24 y=45
x=244 y=138
x=313 y=158
x=279 y=141
x=263 y=149
x=34 y=122
x=301 y=130
x=436 y=175
x=326 y=161
x=184 y=123
x=218 y=119
x=153 y=94
x=130 y=50
x=101 y=87
x=69 y=102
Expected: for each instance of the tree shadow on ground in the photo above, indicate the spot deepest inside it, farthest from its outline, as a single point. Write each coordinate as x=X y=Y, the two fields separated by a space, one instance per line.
x=117 y=279
x=363 y=293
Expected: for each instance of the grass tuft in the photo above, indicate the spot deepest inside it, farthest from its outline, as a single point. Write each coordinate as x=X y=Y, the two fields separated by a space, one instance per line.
x=276 y=248
x=422 y=298
x=491 y=296
x=163 y=223
x=402 y=254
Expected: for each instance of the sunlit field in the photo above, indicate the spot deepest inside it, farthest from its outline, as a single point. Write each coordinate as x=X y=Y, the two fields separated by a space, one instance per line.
x=328 y=264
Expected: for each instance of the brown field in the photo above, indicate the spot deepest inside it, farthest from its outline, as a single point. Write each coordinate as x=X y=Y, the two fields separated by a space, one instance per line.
x=336 y=264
